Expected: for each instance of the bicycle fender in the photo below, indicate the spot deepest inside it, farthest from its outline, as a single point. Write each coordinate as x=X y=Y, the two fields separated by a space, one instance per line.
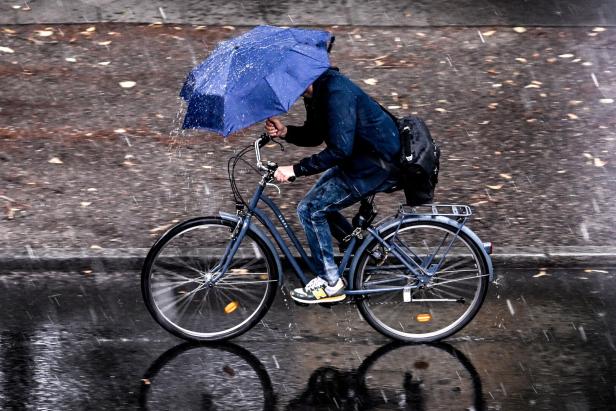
x=259 y=233
x=389 y=223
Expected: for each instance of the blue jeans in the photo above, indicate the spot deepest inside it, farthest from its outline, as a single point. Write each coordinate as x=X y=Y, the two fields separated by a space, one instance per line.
x=323 y=202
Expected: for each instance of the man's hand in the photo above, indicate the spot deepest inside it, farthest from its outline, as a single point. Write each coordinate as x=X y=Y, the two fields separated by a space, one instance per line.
x=283 y=174
x=275 y=128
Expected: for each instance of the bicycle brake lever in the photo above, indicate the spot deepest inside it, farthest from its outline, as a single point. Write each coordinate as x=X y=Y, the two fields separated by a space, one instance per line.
x=274 y=185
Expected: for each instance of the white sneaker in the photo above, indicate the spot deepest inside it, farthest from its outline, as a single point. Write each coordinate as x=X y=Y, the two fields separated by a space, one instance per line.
x=319 y=291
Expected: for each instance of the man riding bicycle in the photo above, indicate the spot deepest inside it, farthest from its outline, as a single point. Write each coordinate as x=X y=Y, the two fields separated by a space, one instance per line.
x=362 y=142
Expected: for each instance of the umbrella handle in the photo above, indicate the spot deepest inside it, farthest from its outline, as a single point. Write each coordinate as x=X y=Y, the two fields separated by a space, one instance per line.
x=331 y=44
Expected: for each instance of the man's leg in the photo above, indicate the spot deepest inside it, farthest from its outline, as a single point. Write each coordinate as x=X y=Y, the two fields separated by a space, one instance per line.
x=330 y=194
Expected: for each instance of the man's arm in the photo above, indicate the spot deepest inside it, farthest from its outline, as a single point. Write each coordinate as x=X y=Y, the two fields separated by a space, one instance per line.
x=306 y=135
x=341 y=118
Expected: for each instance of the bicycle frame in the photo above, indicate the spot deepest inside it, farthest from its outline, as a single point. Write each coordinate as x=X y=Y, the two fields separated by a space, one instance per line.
x=423 y=272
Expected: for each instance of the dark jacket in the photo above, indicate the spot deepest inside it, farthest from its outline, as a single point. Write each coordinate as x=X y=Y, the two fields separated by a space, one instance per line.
x=361 y=139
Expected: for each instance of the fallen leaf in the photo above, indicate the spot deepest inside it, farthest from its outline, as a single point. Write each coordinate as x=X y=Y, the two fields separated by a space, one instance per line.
x=587 y=63
x=532 y=86
x=44 y=33
x=588 y=155
x=506 y=176
x=84 y=204
x=91 y=189
x=6 y=49
x=599 y=163
x=492 y=106
x=483 y=123
x=575 y=102
x=496 y=187
x=565 y=56
x=9 y=31
x=589 y=270
x=145 y=381
x=488 y=33
x=55 y=160
x=127 y=84
x=519 y=29
x=598 y=29
x=552 y=60
x=393 y=107
x=521 y=60
x=370 y=81
x=420 y=34
x=104 y=63
x=606 y=101
x=71 y=59
x=119 y=130
x=160 y=228
x=96 y=247
x=91 y=29
x=228 y=28
x=572 y=116
x=440 y=110
x=540 y=274
x=104 y=43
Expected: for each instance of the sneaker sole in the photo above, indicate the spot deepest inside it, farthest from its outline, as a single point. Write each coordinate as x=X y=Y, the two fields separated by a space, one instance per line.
x=333 y=299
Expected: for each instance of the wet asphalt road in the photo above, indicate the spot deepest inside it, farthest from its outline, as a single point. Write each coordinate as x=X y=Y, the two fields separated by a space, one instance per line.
x=342 y=12
x=543 y=340
x=525 y=120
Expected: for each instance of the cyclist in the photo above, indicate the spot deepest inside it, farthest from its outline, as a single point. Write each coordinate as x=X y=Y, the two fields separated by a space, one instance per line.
x=361 y=144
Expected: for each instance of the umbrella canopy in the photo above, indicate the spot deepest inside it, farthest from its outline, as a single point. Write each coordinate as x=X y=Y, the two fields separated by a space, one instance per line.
x=252 y=77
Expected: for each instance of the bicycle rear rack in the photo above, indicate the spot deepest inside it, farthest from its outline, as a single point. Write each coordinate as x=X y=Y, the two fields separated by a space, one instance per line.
x=449 y=210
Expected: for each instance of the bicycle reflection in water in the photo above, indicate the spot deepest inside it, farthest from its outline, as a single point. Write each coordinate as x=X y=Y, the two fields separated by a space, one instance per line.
x=395 y=376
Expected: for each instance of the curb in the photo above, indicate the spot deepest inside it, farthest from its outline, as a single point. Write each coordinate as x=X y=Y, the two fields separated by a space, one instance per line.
x=116 y=259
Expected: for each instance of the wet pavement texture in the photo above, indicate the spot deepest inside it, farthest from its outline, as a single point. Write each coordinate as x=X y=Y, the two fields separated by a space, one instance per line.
x=342 y=12
x=88 y=159
x=542 y=340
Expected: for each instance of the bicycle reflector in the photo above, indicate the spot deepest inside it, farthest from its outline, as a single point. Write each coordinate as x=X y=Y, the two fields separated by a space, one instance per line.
x=488 y=247
x=423 y=318
x=232 y=306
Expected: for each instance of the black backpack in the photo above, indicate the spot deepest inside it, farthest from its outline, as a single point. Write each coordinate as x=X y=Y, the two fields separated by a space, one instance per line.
x=419 y=160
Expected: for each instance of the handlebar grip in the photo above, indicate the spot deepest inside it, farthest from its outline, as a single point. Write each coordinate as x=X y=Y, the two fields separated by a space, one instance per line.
x=265 y=138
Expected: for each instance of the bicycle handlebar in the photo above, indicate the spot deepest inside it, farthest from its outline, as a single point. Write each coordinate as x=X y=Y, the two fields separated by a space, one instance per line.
x=270 y=166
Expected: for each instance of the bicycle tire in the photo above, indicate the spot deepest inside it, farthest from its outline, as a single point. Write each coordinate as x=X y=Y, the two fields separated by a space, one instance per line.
x=230 y=296
x=380 y=318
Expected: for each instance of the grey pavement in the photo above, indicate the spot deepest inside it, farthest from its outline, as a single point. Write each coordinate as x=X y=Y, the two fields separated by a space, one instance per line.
x=335 y=12
x=77 y=341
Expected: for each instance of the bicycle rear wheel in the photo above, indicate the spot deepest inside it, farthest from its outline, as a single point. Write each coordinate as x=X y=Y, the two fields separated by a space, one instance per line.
x=179 y=266
x=422 y=312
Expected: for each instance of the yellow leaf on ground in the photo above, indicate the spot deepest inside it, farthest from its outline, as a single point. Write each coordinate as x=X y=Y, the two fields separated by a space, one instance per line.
x=519 y=29
x=55 y=160
x=370 y=81
x=496 y=187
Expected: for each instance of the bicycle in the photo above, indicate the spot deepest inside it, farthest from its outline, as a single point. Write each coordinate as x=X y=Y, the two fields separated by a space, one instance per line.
x=415 y=276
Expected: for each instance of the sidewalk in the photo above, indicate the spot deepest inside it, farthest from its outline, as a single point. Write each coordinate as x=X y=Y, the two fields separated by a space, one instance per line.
x=90 y=154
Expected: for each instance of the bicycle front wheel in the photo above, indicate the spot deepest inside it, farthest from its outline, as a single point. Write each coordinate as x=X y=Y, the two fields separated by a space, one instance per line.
x=422 y=312
x=177 y=271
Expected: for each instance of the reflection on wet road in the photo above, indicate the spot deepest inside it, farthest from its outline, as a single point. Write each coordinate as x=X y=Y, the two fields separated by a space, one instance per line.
x=543 y=340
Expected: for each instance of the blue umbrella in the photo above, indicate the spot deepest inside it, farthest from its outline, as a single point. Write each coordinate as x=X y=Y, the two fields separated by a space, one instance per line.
x=252 y=77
